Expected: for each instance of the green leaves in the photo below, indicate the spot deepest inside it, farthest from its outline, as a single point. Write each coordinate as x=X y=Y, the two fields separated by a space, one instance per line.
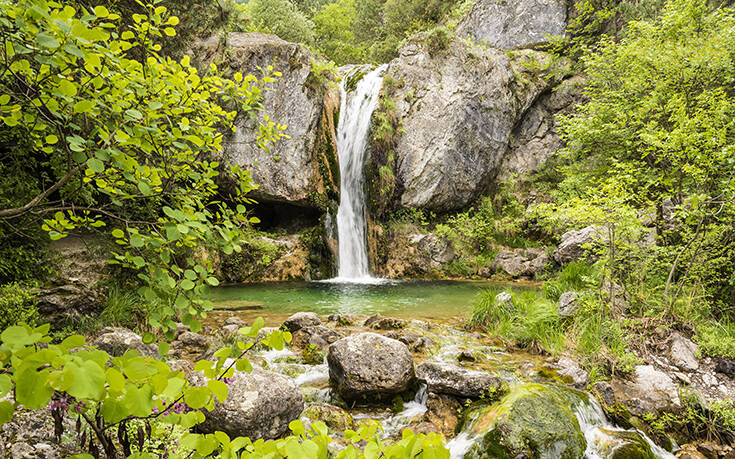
x=30 y=387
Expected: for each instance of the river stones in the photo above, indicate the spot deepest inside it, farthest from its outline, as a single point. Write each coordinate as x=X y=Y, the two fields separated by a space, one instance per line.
x=369 y=367
x=116 y=340
x=301 y=320
x=445 y=378
x=260 y=404
x=531 y=421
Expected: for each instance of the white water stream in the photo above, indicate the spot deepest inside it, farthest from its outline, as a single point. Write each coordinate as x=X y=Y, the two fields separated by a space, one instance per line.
x=352 y=136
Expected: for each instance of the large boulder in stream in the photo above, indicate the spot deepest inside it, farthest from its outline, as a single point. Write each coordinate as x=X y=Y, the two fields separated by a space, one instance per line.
x=369 y=367
x=260 y=404
x=457 y=108
x=532 y=421
x=446 y=378
x=302 y=169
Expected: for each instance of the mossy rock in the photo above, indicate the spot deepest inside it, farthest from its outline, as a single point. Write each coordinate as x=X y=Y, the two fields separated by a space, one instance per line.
x=626 y=445
x=533 y=421
x=313 y=354
x=334 y=417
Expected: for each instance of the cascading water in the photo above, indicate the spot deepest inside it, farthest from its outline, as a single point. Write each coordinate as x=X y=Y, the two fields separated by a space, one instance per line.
x=352 y=135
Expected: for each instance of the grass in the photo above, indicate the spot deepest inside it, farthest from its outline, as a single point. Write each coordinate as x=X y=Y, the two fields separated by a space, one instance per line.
x=575 y=276
x=716 y=339
x=531 y=323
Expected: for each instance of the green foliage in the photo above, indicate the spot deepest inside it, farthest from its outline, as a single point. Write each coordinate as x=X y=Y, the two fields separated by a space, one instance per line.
x=24 y=260
x=437 y=39
x=125 y=308
x=113 y=395
x=282 y=18
x=576 y=276
x=531 y=322
x=717 y=339
x=17 y=305
x=116 y=133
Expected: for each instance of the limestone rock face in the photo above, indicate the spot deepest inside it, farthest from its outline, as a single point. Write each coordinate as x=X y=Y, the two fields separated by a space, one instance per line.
x=451 y=379
x=260 y=404
x=301 y=170
x=66 y=304
x=509 y=24
x=458 y=109
x=568 y=304
x=368 y=365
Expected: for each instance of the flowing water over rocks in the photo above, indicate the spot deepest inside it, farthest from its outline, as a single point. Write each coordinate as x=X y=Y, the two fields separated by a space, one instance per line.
x=517 y=405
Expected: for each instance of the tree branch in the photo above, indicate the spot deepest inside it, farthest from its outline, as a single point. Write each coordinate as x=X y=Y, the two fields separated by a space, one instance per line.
x=6 y=213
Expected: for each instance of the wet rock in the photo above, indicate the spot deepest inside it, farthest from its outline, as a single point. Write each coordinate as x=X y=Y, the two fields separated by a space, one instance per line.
x=116 y=340
x=423 y=427
x=520 y=262
x=466 y=356
x=342 y=320
x=683 y=353
x=234 y=320
x=319 y=335
x=301 y=320
x=573 y=244
x=571 y=369
x=726 y=367
x=443 y=412
x=604 y=392
x=451 y=379
x=68 y=304
x=616 y=444
x=689 y=452
x=259 y=404
x=514 y=24
x=568 y=304
x=378 y=322
x=649 y=391
x=302 y=169
x=532 y=421
x=415 y=342
x=334 y=417
x=369 y=366
x=312 y=354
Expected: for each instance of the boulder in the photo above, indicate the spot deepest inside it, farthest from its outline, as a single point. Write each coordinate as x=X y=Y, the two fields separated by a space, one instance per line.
x=531 y=421
x=572 y=247
x=451 y=379
x=259 y=404
x=683 y=353
x=520 y=262
x=570 y=369
x=301 y=320
x=512 y=24
x=617 y=444
x=438 y=249
x=443 y=412
x=457 y=110
x=116 y=340
x=725 y=366
x=568 y=304
x=415 y=342
x=302 y=169
x=337 y=419
x=648 y=391
x=378 y=322
x=320 y=336
x=369 y=366
x=67 y=304
x=504 y=300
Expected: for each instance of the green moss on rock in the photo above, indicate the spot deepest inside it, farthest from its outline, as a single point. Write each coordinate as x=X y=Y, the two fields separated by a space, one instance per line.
x=532 y=421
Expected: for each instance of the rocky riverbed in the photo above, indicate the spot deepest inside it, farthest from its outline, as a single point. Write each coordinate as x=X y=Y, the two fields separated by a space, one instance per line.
x=430 y=377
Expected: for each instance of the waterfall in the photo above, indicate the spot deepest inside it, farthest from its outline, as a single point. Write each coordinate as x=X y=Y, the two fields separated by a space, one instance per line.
x=352 y=137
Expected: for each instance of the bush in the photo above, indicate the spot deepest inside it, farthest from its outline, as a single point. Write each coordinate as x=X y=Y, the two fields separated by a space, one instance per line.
x=17 y=305
x=282 y=18
x=437 y=39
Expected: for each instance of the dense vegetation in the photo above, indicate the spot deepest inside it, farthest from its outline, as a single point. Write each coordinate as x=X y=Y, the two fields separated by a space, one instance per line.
x=103 y=132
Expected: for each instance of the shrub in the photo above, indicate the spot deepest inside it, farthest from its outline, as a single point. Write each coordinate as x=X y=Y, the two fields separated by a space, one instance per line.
x=437 y=39
x=17 y=305
x=282 y=18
